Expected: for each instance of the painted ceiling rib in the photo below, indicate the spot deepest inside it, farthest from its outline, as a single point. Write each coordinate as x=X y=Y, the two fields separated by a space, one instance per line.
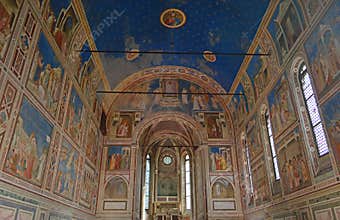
x=173 y=52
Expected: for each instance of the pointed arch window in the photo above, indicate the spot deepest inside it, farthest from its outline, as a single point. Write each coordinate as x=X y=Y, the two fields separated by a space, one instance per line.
x=272 y=146
x=250 y=174
x=187 y=182
x=313 y=110
x=147 y=182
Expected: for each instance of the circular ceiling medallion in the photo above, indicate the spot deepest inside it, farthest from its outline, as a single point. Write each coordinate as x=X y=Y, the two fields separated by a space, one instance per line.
x=132 y=55
x=173 y=18
x=209 y=56
x=167 y=160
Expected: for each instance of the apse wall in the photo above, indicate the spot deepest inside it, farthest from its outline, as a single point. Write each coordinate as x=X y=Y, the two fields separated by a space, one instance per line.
x=305 y=183
x=49 y=114
x=135 y=122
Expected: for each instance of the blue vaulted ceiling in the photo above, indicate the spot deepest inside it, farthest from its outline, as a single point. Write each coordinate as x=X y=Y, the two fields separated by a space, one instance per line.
x=218 y=26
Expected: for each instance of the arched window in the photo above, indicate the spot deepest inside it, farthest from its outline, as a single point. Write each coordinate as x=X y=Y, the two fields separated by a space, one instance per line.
x=313 y=111
x=272 y=146
x=147 y=182
x=187 y=182
x=250 y=174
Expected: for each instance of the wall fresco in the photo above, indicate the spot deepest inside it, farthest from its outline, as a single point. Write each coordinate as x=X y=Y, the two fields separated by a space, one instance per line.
x=9 y=10
x=61 y=21
x=220 y=159
x=74 y=123
x=222 y=189
x=33 y=156
x=124 y=126
x=214 y=126
x=254 y=141
x=45 y=81
x=331 y=114
x=116 y=188
x=285 y=27
x=89 y=184
x=238 y=105
x=27 y=155
x=118 y=158
x=151 y=103
x=260 y=181
x=67 y=170
x=323 y=50
x=293 y=166
x=92 y=145
x=282 y=112
x=258 y=72
x=311 y=7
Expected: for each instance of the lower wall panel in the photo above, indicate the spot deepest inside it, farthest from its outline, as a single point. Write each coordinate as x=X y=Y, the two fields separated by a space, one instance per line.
x=16 y=204
x=318 y=205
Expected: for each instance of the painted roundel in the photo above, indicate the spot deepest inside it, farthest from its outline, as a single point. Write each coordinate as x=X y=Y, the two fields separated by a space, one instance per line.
x=132 y=55
x=173 y=18
x=167 y=160
x=209 y=56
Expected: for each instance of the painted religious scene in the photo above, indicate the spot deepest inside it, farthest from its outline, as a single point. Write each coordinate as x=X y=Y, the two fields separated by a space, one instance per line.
x=67 y=170
x=293 y=167
x=282 y=112
x=260 y=181
x=92 y=145
x=88 y=192
x=331 y=115
x=253 y=140
x=222 y=189
x=88 y=80
x=74 y=123
x=184 y=102
x=258 y=73
x=61 y=21
x=214 y=126
x=220 y=159
x=124 y=126
x=8 y=12
x=46 y=77
x=116 y=188
x=238 y=105
x=286 y=26
x=323 y=51
x=27 y=155
x=118 y=158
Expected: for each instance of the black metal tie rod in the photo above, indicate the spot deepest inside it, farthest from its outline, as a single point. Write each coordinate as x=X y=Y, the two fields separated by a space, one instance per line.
x=173 y=52
x=165 y=93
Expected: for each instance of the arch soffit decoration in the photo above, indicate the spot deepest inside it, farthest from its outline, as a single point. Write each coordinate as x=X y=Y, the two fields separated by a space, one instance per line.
x=116 y=177
x=222 y=178
x=168 y=134
x=294 y=66
x=179 y=72
x=166 y=116
x=159 y=137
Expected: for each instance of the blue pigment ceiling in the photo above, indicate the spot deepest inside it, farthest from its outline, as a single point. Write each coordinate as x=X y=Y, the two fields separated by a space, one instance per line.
x=218 y=26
